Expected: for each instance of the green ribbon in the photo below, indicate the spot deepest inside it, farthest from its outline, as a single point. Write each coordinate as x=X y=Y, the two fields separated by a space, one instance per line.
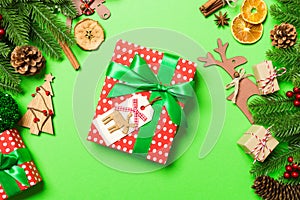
x=10 y=171
x=138 y=77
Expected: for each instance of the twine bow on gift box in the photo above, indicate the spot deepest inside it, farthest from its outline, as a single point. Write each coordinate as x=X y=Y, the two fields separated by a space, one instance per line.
x=138 y=77
x=268 y=82
x=10 y=172
x=238 y=76
x=261 y=146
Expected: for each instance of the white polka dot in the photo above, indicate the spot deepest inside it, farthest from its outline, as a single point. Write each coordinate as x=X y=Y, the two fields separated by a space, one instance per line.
x=163 y=112
x=94 y=131
x=160 y=152
x=122 y=98
x=171 y=139
x=147 y=49
x=130 y=151
x=118 y=47
x=165 y=137
x=135 y=45
x=104 y=100
x=31 y=183
x=130 y=51
x=123 y=41
x=178 y=67
x=159 y=144
x=101 y=141
x=170 y=130
x=135 y=136
x=147 y=57
x=165 y=146
x=154 y=158
x=124 y=141
x=103 y=92
x=118 y=56
x=130 y=142
x=113 y=145
x=2 y=138
x=190 y=71
x=154 y=150
x=95 y=139
x=160 y=161
x=124 y=149
x=153 y=142
x=154 y=68
x=23 y=166
x=190 y=79
x=89 y=137
x=124 y=49
x=130 y=60
x=29 y=178
x=165 y=128
x=104 y=109
x=170 y=122
x=178 y=75
x=183 y=61
x=173 y=82
x=184 y=69
x=8 y=150
x=4 y=144
x=110 y=102
x=26 y=172
x=10 y=138
x=13 y=143
x=184 y=78
x=159 y=135
x=4 y=196
x=153 y=59
x=124 y=58
x=166 y=154
x=160 y=53
x=1 y=190
x=142 y=55
x=190 y=62
x=164 y=120
x=159 y=61
x=119 y=147
x=109 y=85
x=158 y=127
x=148 y=157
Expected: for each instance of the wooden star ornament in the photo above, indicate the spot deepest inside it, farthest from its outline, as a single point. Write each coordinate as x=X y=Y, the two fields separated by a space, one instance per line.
x=222 y=20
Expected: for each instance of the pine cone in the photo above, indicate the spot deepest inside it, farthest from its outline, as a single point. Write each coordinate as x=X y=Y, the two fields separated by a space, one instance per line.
x=27 y=60
x=270 y=189
x=283 y=35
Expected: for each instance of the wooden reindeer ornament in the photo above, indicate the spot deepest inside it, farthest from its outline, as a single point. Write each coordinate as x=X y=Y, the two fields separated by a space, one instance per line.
x=119 y=121
x=246 y=87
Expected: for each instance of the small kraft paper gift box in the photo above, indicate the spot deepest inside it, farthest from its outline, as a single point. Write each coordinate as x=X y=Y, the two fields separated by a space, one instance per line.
x=265 y=75
x=17 y=170
x=258 y=142
x=141 y=103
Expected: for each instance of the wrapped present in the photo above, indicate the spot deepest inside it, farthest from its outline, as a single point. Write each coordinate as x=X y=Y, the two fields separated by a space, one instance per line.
x=265 y=75
x=141 y=102
x=17 y=170
x=258 y=142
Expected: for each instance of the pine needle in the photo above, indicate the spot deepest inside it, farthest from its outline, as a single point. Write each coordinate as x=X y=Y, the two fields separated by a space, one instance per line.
x=4 y=49
x=9 y=80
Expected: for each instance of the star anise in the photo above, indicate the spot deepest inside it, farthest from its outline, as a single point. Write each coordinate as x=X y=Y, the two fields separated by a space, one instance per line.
x=222 y=20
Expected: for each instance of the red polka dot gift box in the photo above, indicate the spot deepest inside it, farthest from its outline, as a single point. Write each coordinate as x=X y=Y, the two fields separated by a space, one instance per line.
x=17 y=170
x=141 y=103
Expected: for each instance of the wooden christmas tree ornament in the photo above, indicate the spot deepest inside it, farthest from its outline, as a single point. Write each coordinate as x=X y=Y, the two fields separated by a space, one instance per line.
x=40 y=110
x=246 y=87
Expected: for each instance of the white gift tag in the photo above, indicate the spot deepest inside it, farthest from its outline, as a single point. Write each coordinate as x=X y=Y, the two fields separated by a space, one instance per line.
x=124 y=118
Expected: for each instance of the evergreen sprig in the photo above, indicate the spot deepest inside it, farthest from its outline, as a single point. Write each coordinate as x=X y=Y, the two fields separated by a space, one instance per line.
x=32 y=22
x=277 y=160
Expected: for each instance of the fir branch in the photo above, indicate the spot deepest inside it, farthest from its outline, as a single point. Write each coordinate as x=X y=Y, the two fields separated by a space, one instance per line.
x=276 y=160
x=9 y=80
x=4 y=49
x=16 y=25
x=289 y=126
x=42 y=16
x=68 y=9
x=4 y=3
x=282 y=14
x=45 y=42
x=274 y=103
x=269 y=119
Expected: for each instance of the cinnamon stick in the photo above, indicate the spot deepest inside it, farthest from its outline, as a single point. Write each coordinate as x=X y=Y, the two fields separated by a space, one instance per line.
x=70 y=55
x=211 y=6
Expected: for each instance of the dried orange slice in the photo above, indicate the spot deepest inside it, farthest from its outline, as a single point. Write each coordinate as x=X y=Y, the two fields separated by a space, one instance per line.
x=245 y=32
x=254 y=11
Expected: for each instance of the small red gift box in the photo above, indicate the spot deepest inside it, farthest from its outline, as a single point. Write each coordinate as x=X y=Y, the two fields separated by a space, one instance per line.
x=165 y=131
x=13 y=152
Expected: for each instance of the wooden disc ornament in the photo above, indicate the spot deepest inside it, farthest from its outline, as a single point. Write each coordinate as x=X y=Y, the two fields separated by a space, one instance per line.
x=89 y=34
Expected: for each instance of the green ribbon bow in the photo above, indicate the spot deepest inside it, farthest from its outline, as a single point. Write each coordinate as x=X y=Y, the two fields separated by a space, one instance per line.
x=138 y=77
x=10 y=171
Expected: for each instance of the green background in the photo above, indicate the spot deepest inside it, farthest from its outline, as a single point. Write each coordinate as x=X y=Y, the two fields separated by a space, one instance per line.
x=69 y=171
